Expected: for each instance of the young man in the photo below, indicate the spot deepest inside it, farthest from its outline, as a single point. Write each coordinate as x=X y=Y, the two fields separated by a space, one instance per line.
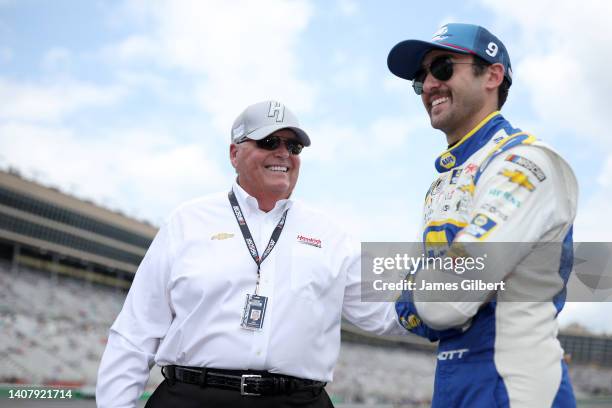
x=496 y=184
x=240 y=296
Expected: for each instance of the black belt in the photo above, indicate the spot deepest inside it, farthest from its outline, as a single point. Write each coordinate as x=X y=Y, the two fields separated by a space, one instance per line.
x=247 y=382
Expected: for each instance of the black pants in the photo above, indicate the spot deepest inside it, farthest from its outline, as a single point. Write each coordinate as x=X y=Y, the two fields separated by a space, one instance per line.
x=181 y=395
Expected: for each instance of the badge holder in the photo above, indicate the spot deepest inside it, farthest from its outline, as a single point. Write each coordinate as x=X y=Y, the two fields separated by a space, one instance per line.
x=254 y=312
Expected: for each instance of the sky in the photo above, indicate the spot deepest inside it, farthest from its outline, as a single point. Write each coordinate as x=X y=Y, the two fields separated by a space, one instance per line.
x=130 y=103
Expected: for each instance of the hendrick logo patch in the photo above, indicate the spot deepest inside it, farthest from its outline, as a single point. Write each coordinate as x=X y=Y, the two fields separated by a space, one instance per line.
x=309 y=241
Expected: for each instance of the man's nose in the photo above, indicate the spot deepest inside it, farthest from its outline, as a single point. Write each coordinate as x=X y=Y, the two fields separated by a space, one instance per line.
x=282 y=150
x=430 y=83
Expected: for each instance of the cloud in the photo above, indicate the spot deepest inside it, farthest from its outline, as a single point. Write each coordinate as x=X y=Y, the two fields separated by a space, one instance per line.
x=391 y=222
x=591 y=225
x=135 y=47
x=144 y=169
x=382 y=136
x=562 y=57
x=56 y=58
x=348 y=8
x=237 y=53
x=351 y=73
x=52 y=101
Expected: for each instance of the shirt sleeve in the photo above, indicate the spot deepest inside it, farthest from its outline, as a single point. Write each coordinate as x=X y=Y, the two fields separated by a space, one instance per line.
x=136 y=333
x=518 y=199
x=377 y=317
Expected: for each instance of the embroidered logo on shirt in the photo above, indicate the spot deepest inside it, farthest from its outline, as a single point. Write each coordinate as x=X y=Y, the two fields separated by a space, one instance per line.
x=518 y=177
x=222 y=235
x=309 y=241
x=410 y=323
x=471 y=169
x=480 y=226
x=528 y=164
x=447 y=160
x=455 y=176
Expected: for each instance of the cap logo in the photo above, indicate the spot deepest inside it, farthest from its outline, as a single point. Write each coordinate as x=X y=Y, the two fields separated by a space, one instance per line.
x=276 y=110
x=238 y=131
x=440 y=34
x=492 y=49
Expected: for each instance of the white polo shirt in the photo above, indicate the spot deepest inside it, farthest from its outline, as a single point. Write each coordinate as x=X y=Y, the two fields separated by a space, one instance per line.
x=185 y=304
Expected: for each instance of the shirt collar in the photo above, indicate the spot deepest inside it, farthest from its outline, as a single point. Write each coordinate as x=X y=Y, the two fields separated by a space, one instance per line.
x=249 y=203
x=457 y=154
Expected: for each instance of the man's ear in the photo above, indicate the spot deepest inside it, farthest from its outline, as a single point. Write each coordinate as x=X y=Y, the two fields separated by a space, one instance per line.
x=233 y=151
x=495 y=76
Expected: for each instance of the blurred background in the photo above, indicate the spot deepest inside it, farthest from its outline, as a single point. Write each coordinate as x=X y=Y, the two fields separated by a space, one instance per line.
x=114 y=112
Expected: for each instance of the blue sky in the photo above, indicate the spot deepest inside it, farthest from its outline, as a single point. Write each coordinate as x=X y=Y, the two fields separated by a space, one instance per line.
x=130 y=103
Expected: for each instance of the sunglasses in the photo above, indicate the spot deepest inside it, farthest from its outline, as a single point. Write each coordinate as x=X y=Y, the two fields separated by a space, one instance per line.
x=272 y=142
x=441 y=68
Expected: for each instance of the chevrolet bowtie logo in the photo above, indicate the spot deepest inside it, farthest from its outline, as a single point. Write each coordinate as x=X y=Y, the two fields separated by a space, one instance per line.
x=519 y=178
x=468 y=188
x=222 y=235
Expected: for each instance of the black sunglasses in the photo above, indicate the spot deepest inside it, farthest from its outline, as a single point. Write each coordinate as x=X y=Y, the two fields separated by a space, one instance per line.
x=272 y=142
x=441 y=68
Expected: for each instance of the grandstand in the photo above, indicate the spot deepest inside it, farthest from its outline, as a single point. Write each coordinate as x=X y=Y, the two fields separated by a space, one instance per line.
x=65 y=266
x=44 y=228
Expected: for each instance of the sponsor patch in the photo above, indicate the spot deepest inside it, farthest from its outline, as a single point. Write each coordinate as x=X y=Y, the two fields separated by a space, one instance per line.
x=494 y=210
x=495 y=192
x=468 y=188
x=222 y=235
x=410 y=323
x=528 y=164
x=452 y=354
x=471 y=169
x=518 y=177
x=480 y=226
x=309 y=241
x=447 y=160
x=461 y=206
x=436 y=187
x=454 y=178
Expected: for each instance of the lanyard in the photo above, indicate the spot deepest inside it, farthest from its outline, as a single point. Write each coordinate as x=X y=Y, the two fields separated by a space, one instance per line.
x=248 y=238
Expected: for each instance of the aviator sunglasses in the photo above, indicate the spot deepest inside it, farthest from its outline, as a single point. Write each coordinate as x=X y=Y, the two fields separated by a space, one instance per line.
x=441 y=68
x=272 y=142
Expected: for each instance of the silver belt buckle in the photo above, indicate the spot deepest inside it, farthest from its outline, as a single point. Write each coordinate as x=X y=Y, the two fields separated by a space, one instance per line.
x=243 y=384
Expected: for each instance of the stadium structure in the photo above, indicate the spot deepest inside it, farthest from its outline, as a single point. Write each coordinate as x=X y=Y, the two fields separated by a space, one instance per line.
x=66 y=265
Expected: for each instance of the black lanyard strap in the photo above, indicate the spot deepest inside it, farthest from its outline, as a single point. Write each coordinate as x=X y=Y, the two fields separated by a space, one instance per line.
x=248 y=238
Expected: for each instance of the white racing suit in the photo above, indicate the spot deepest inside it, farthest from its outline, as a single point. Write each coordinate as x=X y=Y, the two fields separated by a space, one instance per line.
x=498 y=184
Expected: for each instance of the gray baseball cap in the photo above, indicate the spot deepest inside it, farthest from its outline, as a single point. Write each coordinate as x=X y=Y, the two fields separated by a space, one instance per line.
x=261 y=119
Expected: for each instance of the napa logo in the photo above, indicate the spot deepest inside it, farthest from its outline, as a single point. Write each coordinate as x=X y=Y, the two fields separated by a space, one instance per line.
x=447 y=160
x=480 y=220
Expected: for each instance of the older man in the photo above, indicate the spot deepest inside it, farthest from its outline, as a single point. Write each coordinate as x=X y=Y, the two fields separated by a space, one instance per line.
x=240 y=296
x=496 y=184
